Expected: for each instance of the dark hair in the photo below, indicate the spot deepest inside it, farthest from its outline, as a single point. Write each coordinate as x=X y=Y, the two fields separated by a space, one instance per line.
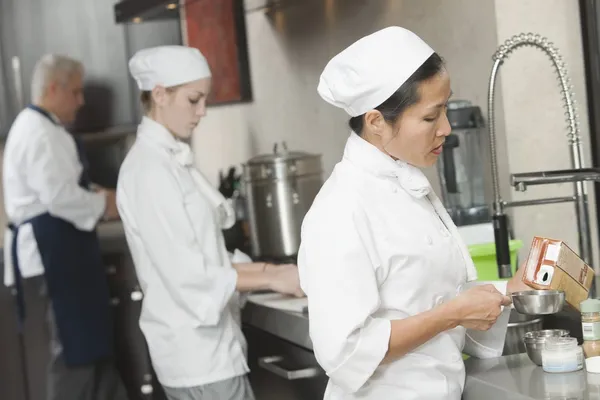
x=406 y=96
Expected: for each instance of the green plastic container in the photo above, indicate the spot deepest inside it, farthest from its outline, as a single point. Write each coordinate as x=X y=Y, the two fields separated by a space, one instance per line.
x=484 y=258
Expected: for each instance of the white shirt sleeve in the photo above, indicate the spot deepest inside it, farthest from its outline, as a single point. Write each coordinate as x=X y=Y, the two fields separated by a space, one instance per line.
x=54 y=174
x=338 y=275
x=199 y=288
x=490 y=343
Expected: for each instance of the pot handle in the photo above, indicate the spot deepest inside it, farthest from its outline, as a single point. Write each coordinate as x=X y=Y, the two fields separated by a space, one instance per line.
x=276 y=148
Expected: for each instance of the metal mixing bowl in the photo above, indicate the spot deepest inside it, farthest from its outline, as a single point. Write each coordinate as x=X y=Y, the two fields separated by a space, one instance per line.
x=538 y=302
x=518 y=325
x=536 y=340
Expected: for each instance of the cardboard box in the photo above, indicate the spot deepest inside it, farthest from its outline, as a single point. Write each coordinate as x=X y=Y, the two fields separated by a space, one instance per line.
x=553 y=265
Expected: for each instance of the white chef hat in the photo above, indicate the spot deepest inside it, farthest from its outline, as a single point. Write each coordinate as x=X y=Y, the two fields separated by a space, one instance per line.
x=368 y=72
x=167 y=66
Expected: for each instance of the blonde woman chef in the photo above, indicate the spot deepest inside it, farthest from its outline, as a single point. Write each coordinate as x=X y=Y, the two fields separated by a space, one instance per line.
x=173 y=220
x=388 y=299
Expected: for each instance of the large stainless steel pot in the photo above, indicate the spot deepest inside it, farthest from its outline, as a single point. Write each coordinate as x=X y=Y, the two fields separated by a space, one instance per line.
x=518 y=326
x=280 y=188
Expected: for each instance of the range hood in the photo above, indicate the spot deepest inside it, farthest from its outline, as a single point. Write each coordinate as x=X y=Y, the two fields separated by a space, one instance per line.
x=136 y=11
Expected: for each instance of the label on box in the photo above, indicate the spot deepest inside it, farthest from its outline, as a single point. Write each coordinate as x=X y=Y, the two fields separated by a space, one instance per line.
x=544 y=275
x=591 y=330
x=552 y=252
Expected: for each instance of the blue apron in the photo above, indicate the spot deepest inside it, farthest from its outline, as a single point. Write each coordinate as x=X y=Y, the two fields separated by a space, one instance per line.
x=76 y=281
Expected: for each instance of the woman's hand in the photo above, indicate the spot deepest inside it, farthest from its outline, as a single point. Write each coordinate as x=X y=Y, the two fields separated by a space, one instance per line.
x=479 y=307
x=284 y=279
x=516 y=284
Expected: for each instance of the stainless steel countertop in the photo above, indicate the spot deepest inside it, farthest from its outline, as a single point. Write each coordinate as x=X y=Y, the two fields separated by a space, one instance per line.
x=111 y=236
x=510 y=377
x=517 y=378
x=110 y=229
x=291 y=326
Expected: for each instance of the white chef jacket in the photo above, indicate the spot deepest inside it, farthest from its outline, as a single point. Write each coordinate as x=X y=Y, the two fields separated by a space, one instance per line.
x=41 y=171
x=378 y=245
x=173 y=220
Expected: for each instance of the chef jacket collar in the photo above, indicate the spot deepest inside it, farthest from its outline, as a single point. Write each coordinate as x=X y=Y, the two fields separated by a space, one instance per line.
x=50 y=116
x=157 y=134
x=369 y=158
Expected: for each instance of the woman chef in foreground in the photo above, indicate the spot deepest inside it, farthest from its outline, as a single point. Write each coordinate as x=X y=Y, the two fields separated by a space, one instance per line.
x=388 y=305
x=173 y=220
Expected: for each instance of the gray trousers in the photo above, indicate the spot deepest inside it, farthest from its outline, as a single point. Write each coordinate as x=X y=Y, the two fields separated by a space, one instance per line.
x=237 y=388
x=98 y=381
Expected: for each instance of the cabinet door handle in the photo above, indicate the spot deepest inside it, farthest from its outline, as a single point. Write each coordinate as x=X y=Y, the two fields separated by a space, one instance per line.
x=271 y=365
x=137 y=295
x=115 y=301
x=269 y=200
x=146 y=389
x=18 y=81
x=111 y=270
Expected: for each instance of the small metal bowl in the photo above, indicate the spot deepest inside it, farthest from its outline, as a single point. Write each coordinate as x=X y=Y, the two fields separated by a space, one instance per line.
x=536 y=340
x=538 y=302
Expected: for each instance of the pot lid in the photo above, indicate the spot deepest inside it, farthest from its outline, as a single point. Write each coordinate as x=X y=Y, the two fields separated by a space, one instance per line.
x=280 y=154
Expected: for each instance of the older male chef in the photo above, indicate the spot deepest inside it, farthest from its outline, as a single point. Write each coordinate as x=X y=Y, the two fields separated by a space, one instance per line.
x=53 y=212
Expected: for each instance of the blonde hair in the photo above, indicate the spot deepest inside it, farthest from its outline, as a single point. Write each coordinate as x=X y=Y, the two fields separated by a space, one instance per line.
x=52 y=68
x=147 y=100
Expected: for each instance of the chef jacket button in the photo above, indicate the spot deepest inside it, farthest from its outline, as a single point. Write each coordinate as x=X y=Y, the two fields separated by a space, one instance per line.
x=459 y=289
x=439 y=300
x=429 y=240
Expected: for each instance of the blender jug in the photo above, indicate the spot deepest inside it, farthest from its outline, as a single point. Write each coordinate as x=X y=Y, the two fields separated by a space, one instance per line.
x=461 y=169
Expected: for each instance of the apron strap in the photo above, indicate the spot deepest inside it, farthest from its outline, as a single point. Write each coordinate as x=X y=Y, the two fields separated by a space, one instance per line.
x=18 y=278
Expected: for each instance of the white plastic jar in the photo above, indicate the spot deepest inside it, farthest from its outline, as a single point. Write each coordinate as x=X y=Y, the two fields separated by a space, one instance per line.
x=562 y=354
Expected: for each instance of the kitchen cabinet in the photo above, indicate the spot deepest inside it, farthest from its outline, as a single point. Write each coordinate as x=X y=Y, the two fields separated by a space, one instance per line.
x=132 y=356
x=84 y=30
x=282 y=379
x=36 y=337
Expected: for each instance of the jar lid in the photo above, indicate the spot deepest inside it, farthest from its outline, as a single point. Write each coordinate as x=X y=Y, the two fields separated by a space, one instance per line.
x=592 y=365
x=590 y=306
x=560 y=343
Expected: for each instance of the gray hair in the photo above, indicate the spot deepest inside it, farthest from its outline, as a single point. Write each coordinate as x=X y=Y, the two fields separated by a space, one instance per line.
x=52 y=68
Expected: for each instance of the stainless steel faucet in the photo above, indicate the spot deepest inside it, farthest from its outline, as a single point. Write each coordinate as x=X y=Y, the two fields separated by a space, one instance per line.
x=577 y=174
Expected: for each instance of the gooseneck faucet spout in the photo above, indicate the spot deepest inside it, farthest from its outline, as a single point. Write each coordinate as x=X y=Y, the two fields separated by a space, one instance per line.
x=520 y=181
